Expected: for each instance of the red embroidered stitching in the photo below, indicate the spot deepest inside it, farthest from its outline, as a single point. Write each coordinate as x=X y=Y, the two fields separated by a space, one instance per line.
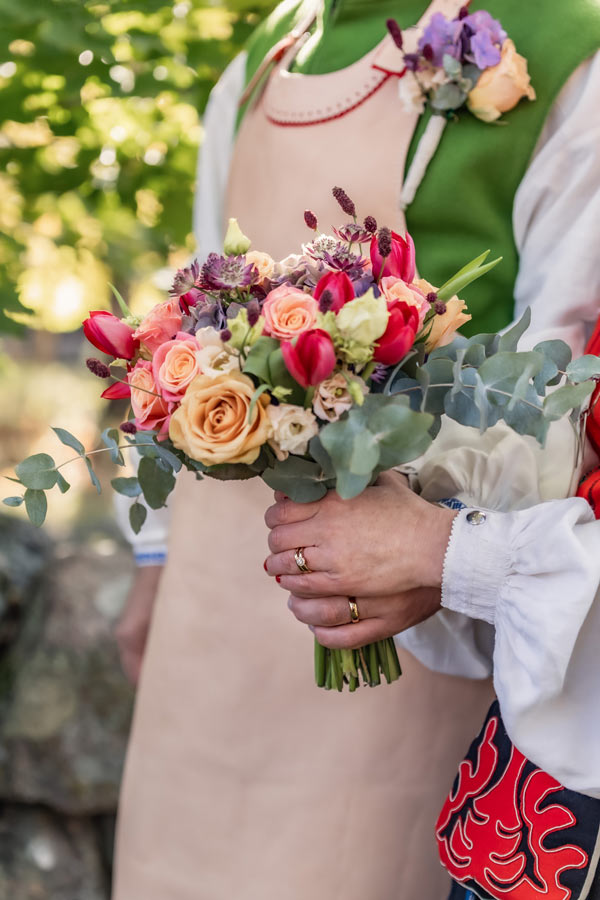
x=339 y=115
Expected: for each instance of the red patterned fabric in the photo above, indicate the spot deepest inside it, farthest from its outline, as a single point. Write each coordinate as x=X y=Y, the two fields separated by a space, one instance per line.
x=589 y=488
x=509 y=831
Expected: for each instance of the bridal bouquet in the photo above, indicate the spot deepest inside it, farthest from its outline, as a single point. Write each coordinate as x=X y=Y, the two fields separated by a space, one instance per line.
x=316 y=373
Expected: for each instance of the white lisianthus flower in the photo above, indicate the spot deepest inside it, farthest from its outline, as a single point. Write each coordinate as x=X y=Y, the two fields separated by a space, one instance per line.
x=333 y=396
x=215 y=357
x=293 y=428
x=364 y=319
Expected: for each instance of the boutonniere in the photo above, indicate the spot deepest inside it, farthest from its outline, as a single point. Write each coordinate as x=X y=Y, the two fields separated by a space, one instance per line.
x=468 y=61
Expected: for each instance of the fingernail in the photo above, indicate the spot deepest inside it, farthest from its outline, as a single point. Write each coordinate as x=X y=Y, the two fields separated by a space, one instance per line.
x=265 y=567
x=278 y=579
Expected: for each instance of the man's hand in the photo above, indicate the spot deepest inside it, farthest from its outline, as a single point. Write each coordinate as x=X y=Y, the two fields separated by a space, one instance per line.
x=380 y=617
x=386 y=542
x=132 y=629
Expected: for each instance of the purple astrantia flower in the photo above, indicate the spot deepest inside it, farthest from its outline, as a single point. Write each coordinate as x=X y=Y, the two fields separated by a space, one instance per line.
x=185 y=279
x=224 y=273
x=441 y=37
x=354 y=234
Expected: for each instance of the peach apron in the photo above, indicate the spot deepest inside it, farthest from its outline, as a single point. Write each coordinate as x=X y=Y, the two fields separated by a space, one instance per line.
x=243 y=780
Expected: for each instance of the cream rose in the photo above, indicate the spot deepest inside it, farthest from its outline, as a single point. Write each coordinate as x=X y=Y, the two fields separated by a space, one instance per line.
x=394 y=288
x=444 y=327
x=212 y=426
x=332 y=396
x=500 y=88
x=288 y=312
x=264 y=263
x=293 y=427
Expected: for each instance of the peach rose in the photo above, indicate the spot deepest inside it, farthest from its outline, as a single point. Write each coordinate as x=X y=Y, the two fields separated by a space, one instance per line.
x=500 y=88
x=151 y=411
x=161 y=324
x=288 y=312
x=444 y=327
x=212 y=426
x=175 y=364
x=264 y=263
x=394 y=288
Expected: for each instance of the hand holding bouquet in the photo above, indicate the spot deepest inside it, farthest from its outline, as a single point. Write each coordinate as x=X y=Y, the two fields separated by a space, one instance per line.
x=317 y=373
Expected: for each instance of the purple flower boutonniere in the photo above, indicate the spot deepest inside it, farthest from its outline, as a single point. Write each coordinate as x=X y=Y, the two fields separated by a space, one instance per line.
x=466 y=61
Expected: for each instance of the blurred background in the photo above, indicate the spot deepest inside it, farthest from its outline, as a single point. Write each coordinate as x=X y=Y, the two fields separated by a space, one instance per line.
x=100 y=126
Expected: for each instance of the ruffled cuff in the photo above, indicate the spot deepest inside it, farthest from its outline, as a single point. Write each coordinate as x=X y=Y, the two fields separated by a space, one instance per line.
x=477 y=563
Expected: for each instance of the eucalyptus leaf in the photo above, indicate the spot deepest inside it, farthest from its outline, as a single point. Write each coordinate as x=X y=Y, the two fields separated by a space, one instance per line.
x=69 y=440
x=510 y=339
x=436 y=378
x=320 y=455
x=566 y=398
x=38 y=472
x=452 y=66
x=349 y=443
x=299 y=479
x=156 y=484
x=257 y=361
x=63 y=484
x=36 y=504
x=255 y=397
x=582 y=369
x=13 y=501
x=280 y=377
x=231 y=472
x=110 y=439
x=446 y=97
x=92 y=474
x=128 y=487
x=167 y=455
x=137 y=516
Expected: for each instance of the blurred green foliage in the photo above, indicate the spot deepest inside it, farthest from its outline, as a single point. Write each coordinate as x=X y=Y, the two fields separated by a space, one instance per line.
x=100 y=106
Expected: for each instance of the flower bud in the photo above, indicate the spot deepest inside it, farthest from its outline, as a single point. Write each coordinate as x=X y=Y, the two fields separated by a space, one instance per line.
x=236 y=243
x=98 y=368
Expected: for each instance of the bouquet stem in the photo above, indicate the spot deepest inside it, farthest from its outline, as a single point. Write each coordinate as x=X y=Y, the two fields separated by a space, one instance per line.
x=335 y=668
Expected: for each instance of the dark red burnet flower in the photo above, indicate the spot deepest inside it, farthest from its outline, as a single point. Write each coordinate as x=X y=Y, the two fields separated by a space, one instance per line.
x=339 y=286
x=344 y=201
x=311 y=358
x=400 y=334
x=310 y=219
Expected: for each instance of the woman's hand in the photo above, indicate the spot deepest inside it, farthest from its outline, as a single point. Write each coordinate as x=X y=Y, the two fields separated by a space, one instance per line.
x=386 y=542
x=329 y=618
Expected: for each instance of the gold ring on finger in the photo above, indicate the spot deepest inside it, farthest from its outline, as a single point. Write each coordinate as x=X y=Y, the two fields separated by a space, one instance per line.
x=301 y=560
x=354 y=615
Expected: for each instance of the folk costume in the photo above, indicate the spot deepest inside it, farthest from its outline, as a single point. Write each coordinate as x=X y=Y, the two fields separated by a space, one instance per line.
x=243 y=779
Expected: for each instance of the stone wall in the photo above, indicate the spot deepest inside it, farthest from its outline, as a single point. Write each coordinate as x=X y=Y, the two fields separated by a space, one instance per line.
x=65 y=710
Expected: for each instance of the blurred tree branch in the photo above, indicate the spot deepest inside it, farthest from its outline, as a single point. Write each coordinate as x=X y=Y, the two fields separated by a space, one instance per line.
x=100 y=106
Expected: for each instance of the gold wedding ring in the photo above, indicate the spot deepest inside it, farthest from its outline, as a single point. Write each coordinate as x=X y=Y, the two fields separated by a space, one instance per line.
x=301 y=560
x=354 y=616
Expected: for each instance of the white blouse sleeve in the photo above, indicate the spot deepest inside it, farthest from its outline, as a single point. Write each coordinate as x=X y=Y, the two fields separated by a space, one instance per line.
x=150 y=545
x=527 y=569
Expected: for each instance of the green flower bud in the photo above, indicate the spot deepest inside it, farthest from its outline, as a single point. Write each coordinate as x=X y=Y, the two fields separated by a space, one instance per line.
x=236 y=243
x=242 y=336
x=363 y=320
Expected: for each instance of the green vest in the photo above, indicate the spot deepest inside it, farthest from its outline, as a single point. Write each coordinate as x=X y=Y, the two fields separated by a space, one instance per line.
x=465 y=202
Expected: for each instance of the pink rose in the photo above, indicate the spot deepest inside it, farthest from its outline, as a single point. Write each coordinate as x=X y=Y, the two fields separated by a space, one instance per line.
x=161 y=324
x=311 y=359
x=110 y=335
x=152 y=412
x=395 y=289
x=289 y=312
x=175 y=365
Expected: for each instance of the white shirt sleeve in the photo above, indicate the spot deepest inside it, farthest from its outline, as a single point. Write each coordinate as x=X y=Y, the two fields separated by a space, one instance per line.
x=533 y=574
x=150 y=545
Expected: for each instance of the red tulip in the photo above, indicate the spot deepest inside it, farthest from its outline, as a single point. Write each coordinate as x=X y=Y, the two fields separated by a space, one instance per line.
x=110 y=335
x=311 y=358
x=117 y=391
x=339 y=286
x=400 y=334
x=593 y=421
x=400 y=262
